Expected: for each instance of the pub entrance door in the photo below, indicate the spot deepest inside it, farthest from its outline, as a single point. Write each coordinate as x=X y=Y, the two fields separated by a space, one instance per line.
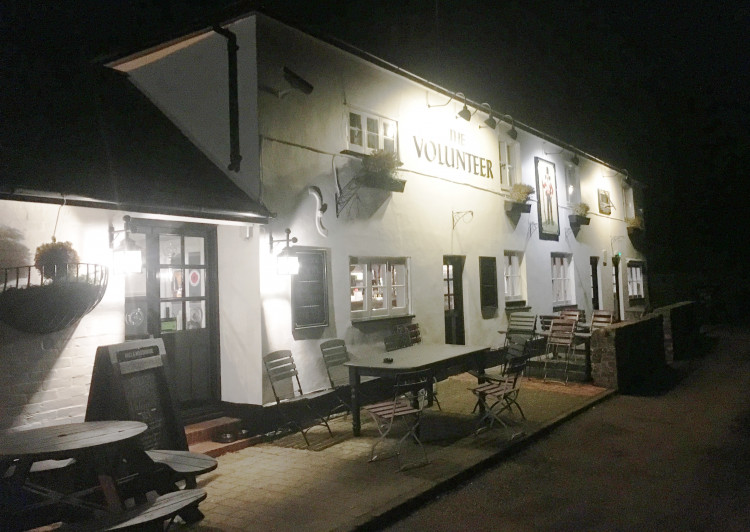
x=453 y=298
x=175 y=298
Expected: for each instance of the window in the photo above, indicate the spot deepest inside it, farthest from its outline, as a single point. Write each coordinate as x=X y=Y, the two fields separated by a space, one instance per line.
x=379 y=287
x=509 y=157
x=513 y=274
x=635 y=280
x=310 y=290
x=368 y=132
x=562 y=279
x=488 y=282
x=572 y=185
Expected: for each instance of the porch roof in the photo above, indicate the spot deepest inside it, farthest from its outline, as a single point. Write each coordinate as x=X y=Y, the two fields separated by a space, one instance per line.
x=115 y=149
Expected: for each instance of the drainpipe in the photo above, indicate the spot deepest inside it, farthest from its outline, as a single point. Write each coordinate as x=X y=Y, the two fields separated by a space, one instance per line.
x=234 y=119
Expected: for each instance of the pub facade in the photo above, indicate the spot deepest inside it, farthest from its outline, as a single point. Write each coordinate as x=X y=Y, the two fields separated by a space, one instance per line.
x=374 y=198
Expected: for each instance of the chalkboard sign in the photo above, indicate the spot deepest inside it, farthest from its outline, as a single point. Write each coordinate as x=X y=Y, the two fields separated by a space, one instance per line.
x=130 y=383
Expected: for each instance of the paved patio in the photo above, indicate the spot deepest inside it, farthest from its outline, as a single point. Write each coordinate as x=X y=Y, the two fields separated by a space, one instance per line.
x=282 y=485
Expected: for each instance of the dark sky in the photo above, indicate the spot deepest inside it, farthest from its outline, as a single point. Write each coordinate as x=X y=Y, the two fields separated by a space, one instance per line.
x=658 y=89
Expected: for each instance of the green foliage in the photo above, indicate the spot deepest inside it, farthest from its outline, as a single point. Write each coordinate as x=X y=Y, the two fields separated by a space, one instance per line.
x=636 y=222
x=581 y=209
x=51 y=259
x=520 y=192
x=381 y=163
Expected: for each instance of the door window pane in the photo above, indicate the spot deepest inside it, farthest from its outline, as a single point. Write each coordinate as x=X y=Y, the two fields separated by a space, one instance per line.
x=196 y=318
x=170 y=249
x=171 y=316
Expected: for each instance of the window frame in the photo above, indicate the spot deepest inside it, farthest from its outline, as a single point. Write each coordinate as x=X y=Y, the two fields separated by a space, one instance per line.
x=636 y=280
x=389 y=310
x=566 y=277
x=519 y=274
x=509 y=157
x=383 y=122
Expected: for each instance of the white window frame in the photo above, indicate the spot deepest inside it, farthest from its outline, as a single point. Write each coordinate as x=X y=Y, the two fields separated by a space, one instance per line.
x=572 y=184
x=563 y=289
x=370 y=282
x=514 y=276
x=636 y=280
x=510 y=166
x=383 y=124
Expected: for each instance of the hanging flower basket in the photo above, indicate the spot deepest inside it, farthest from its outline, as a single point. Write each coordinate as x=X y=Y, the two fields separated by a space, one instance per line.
x=46 y=302
x=514 y=207
x=379 y=171
x=577 y=219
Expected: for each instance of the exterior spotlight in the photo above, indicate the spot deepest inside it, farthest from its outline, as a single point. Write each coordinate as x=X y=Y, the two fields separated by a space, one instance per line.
x=127 y=255
x=465 y=113
x=287 y=261
x=512 y=133
x=490 y=122
x=575 y=160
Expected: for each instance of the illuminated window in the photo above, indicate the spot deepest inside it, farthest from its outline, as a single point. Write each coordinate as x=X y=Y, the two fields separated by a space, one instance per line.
x=368 y=132
x=379 y=287
x=513 y=274
x=563 y=292
x=635 y=280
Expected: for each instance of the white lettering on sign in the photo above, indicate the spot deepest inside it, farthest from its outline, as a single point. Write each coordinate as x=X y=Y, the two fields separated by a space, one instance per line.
x=452 y=157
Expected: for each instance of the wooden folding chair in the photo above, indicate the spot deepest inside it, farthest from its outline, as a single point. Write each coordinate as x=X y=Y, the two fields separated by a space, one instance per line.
x=601 y=318
x=410 y=396
x=287 y=391
x=561 y=337
x=499 y=395
x=335 y=355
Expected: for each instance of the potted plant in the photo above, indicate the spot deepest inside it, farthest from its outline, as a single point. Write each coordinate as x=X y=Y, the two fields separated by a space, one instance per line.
x=580 y=214
x=379 y=171
x=519 y=198
x=52 y=259
x=63 y=293
x=635 y=228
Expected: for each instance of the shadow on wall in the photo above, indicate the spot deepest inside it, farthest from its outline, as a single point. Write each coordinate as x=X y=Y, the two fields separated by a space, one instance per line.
x=26 y=363
x=12 y=252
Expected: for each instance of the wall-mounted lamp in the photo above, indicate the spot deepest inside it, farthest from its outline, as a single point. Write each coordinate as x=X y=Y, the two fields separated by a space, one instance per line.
x=127 y=256
x=490 y=122
x=512 y=133
x=575 y=160
x=463 y=113
x=287 y=262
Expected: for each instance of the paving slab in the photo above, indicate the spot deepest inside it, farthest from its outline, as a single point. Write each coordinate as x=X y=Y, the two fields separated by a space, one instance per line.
x=283 y=485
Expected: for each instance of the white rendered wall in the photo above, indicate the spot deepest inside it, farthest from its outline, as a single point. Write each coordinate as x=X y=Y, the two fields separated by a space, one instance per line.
x=45 y=378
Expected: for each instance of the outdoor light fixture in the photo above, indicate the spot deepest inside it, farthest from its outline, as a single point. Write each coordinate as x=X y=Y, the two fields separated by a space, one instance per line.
x=287 y=262
x=512 y=133
x=490 y=122
x=465 y=113
x=575 y=160
x=128 y=257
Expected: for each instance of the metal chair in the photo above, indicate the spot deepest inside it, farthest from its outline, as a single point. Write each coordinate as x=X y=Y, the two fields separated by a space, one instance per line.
x=287 y=391
x=411 y=393
x=561 y=336
x=500 y=394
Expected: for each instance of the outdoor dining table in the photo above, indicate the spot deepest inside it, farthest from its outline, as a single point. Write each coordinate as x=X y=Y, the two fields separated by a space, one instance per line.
x=98 y=445
x=375 y=363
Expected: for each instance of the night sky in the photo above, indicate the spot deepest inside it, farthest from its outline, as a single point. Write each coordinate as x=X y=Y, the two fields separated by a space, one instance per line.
x=658 y=90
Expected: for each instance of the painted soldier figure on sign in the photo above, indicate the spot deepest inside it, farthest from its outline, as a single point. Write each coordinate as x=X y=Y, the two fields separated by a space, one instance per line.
x=549 y=192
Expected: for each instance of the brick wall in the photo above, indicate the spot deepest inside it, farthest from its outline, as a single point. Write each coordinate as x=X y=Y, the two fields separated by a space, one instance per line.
x=681 y=329
x=626 y=353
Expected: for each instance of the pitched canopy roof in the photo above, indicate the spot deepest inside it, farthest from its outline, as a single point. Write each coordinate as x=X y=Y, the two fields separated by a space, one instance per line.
x=112 y=148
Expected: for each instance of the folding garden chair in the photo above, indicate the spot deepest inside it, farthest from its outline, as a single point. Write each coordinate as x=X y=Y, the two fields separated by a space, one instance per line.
x=561 y=337
x=410 y=395
x=335 y=355
x=294 y=406
x=500 y=394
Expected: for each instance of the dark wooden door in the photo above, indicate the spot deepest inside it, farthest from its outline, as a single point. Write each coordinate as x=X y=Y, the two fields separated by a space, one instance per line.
x=453 y=299
x=595 y=283
x=180 y=297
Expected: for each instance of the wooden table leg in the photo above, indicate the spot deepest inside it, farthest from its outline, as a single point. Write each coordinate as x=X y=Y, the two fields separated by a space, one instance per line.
x=354 y=385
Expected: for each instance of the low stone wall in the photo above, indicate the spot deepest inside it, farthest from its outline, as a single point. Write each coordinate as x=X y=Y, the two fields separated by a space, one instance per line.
x=626 y=353
x=681 y=330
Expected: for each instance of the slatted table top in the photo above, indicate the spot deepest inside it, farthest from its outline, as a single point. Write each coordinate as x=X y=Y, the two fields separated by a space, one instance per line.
x=60 y=441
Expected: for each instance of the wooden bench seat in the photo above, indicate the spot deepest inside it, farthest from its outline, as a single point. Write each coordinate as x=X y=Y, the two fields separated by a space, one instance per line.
x=183 y=463
x=146 y=516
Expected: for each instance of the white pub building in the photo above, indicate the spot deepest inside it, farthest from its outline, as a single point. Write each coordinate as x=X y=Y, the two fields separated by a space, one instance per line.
x=289 y=122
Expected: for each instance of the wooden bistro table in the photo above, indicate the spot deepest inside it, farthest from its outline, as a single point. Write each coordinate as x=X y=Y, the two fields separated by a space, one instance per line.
x=98 y=444
x=413 y=358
